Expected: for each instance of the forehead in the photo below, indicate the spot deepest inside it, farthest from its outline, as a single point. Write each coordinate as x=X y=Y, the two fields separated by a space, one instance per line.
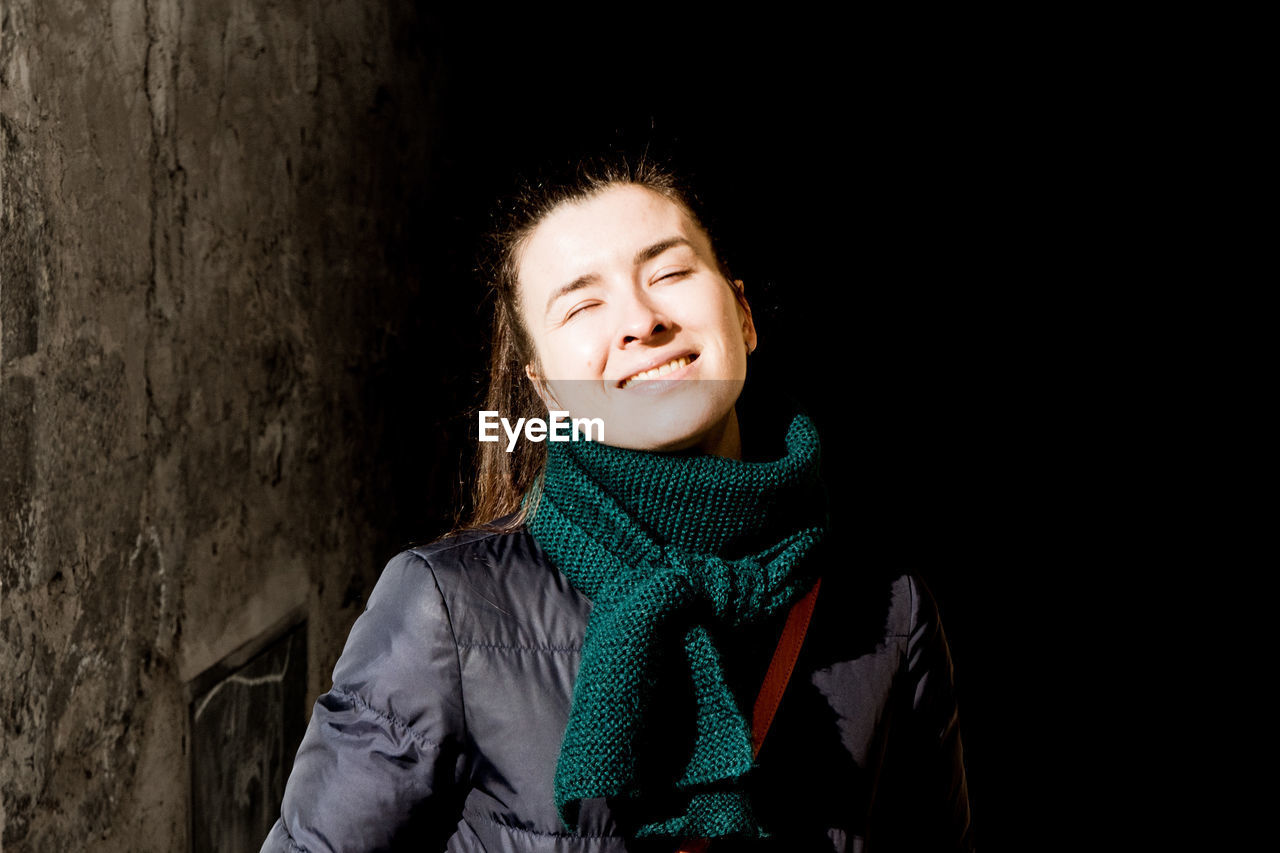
x=607 y=229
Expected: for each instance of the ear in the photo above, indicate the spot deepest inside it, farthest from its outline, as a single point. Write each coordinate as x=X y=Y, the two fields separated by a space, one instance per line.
x=540 y=388
x=748 y=324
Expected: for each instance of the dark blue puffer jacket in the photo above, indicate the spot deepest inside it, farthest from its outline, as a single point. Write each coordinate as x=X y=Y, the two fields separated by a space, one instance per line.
x=449 y=703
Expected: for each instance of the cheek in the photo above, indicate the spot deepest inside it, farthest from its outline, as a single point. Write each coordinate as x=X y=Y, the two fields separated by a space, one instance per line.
x=573 y=357
x=728 y=320
x=727 y=310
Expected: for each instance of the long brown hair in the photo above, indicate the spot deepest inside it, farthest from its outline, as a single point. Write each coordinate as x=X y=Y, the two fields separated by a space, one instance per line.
x=503 y=479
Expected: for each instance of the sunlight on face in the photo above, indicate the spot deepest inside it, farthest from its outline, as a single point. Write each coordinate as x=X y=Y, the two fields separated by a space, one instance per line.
x=633 y=322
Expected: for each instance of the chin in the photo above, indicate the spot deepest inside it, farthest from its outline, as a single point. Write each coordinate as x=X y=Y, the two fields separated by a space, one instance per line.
x=672 y=420
x=668 y=435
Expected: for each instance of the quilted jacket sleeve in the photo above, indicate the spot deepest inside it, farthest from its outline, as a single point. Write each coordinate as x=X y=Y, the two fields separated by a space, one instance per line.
x=381 y=764
x=923 y=802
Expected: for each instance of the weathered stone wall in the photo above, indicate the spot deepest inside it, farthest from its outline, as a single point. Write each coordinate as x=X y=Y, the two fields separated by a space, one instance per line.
x=203 y=264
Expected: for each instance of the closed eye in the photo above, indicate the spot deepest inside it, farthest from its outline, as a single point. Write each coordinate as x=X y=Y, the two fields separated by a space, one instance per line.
x=672 y=275
x=580 y=309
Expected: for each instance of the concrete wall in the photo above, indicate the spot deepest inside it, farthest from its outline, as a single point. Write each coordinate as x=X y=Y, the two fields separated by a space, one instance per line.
x=204 y=269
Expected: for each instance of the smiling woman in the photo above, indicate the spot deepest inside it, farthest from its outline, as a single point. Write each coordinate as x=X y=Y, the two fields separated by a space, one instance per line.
x=595 y=662
x=623 y=299
x=607 y=280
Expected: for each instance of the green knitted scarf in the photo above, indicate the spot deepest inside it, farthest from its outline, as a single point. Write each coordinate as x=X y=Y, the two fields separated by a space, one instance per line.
x=666 y=546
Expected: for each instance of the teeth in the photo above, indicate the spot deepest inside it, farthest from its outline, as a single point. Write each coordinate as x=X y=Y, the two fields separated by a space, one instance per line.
x=663 y=370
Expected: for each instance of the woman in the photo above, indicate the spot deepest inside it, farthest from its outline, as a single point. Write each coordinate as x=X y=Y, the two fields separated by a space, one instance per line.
x=584 y=672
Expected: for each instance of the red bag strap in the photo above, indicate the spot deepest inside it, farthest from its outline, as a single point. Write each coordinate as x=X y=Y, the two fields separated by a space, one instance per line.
x=775 y=682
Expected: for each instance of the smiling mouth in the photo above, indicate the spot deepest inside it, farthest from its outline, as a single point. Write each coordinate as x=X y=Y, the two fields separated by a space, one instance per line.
x=660 y=371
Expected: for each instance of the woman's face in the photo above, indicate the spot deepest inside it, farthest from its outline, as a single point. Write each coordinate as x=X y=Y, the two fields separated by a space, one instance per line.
x=634 y=324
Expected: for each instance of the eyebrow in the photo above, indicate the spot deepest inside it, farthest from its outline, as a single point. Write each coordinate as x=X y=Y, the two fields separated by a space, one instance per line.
x=645 y=255
x=650 y=252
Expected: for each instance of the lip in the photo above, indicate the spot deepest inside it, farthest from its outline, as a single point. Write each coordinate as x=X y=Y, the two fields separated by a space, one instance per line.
x=675 y=374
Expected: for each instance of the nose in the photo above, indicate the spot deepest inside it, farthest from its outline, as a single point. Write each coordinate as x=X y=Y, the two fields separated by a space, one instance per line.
x=641 y=320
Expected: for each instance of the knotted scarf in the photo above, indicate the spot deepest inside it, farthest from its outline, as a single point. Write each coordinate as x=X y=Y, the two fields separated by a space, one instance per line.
x=671 y=548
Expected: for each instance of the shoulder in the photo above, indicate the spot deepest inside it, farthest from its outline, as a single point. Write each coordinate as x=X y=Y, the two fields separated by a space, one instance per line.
x=870 y=610
x=478 y=557
x=479 y=548
x=914 y=609
x=476 y=588
x=881 y=601
x=498 y=587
